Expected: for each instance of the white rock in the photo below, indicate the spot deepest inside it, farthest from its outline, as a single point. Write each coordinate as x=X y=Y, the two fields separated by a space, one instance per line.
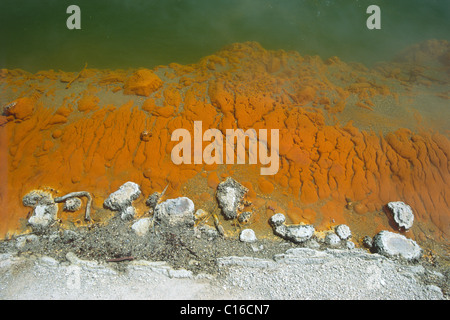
x=332 y=239
x=350 y=245
x=142 y=226
x=247 y=235
x=72 y=204
x=35 y=197
x=122 y=198
x=343 y=231
x=402 y=213
x=296 y=232
x=179 y=211
x=43 y=216
x=277 y=219
x=300 y=233
x=393 y=245
x=230 y=194
x=45 y=209
x=128 y=213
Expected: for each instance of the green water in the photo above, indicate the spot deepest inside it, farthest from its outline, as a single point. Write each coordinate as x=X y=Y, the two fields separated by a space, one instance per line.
x=137 y=33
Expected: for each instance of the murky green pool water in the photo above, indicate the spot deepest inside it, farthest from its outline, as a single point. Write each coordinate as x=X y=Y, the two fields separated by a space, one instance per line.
x=138 y=33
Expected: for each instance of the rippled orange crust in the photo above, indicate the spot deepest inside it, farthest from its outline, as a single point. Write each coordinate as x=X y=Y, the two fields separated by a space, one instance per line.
x=115 y=126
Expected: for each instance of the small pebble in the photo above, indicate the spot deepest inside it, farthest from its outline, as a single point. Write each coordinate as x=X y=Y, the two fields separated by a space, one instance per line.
x=247 y=235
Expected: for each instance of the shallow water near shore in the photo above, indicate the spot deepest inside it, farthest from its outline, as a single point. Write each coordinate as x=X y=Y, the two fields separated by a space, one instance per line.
x=133 y=34
x=362 y=114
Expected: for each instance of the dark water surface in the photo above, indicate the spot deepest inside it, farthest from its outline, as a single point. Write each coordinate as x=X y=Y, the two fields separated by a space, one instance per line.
x=137 y=33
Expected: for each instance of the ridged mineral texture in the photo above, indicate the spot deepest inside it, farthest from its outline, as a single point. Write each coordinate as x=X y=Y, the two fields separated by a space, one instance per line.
x=351 y=138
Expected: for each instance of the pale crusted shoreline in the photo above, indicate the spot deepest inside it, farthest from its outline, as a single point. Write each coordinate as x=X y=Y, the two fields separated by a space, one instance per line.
x=298 y=273
x=172 y=258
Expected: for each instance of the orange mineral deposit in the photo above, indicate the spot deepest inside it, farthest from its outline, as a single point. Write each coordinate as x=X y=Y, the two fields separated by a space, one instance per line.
x=332 y=170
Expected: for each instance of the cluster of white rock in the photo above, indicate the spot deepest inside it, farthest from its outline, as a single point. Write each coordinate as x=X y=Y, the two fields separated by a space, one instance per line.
x=387 y=243
x=172 y=212
x=121 y=200
x=180 y=212
x=392 y=244
x=44 y=209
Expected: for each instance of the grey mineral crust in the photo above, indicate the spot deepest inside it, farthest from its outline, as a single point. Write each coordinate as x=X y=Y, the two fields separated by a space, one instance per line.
x=295 y=273
x=303 y=273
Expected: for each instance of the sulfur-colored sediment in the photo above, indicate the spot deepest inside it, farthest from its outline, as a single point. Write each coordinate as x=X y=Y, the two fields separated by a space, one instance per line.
x=347 y=146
